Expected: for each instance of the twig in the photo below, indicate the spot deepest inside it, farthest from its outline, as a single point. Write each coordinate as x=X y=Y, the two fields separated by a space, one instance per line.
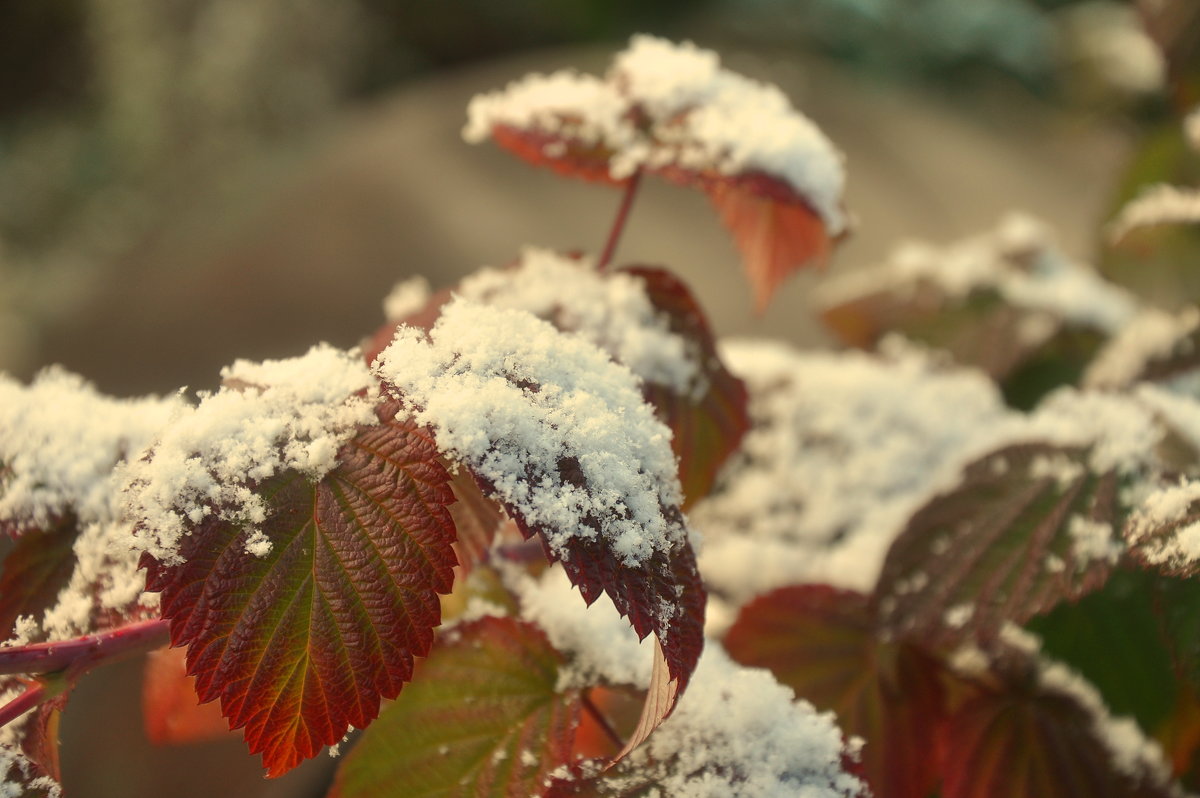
x=614 y=235
x=80 y=654
x=33 y=695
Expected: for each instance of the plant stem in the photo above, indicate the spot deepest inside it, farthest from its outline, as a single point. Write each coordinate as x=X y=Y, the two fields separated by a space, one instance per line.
x=614 y=235
x=33 y=695
x=601 y=720
x=80 y=654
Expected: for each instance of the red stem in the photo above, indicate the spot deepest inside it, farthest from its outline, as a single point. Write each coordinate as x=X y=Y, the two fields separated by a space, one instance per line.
x=81 y=654
x=601 y=720
x=33 y=695
x=614 y=235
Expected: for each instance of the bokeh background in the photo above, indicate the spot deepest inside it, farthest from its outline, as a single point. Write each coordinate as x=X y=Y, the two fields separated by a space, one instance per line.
x=185 y=182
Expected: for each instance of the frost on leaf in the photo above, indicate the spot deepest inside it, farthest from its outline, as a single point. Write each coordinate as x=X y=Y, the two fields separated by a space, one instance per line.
x=647 y=320
x=484 y=718
x=71 y=571
x=1164 y=531
x=561 y=436
x=1008 y=302
x=671 y=110
x=302 y=639
x=1027 y=527
x=737 y=734
x=842 y=449
x=822 y=643
x=1024 y=705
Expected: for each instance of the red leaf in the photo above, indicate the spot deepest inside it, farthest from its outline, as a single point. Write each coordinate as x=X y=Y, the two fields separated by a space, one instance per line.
x=484 y=719
x=171 y=710
x=781 y=215
x=33 y=762
x=1022 y=737
x=708 y=429
x=776 y=236
x=1015 y=537
x=304 y=642
x=39 y=565
x=566 y=156
x=822 y=643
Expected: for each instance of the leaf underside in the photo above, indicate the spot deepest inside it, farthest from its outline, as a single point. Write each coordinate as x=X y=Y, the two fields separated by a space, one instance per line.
x=998 y=547
x=484 y=720
x=821 y=642
x=302 y=643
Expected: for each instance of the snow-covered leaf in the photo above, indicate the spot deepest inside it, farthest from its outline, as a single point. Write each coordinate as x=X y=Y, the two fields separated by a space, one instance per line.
x=301 y=626
x=646 y=319
x=483 y=719
x=1028 y=526
x=672 y=110
x=561 y=437
x=823 y=644
x=1007 y=302
x=1155 y=346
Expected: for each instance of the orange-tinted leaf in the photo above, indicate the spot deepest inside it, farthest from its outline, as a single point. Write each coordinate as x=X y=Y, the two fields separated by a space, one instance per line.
x=303 y=642
x=776 y=235
x=570 y=157
x=1028 y=526
x=822 y=643
x=171 y=710
x=29 y=758
x=484 y=719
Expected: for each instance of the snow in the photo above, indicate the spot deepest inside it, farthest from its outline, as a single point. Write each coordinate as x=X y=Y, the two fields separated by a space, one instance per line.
x=697 y=117
x=61 y=441
x=1156 y=205
x=514 y=399
x=267 y=417
x=842 y=449
x=1018 y=260
x=610 y=309
x=736 y=732
x=406 y=297
x=1151 y=335
x=1169 y=505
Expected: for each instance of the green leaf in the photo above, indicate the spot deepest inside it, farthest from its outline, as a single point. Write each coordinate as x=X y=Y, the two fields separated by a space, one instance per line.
x=1113 y=638
x=483 y=720
x=303 y=642
x=822 y=643
x=1027 y=527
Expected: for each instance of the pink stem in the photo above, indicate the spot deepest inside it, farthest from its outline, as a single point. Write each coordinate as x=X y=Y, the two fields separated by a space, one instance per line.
x=614 y=235
x=33 y=695
x=81 y=654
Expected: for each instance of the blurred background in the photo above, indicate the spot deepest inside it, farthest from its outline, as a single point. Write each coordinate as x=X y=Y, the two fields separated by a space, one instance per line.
x=185 y=182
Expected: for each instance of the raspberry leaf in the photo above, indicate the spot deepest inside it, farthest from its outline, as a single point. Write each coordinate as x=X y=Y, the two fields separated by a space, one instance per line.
x=305 y=641
x=822 y=643
x=1027 y=527
x=483 y=719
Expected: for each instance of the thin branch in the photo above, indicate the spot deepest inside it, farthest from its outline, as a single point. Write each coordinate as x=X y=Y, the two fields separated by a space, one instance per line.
x=33 y=695
x=81 y=654
x=601 y=720
x=614 y=235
